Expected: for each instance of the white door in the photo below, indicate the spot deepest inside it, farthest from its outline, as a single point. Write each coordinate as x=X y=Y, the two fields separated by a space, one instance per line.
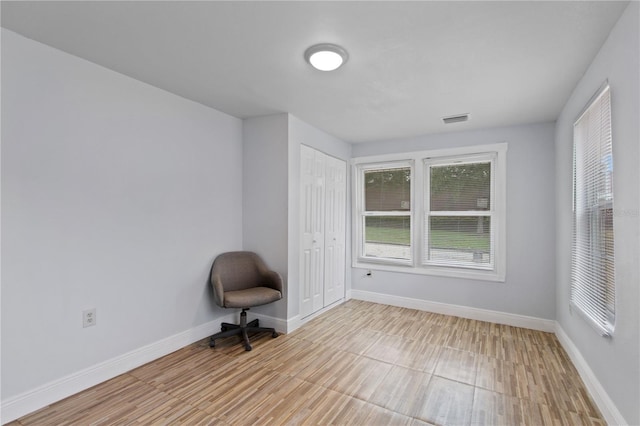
x=311 y=230
x=334 y=225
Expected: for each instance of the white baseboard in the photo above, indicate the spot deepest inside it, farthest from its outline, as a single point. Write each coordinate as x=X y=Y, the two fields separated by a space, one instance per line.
x=296 y=322
x=600 y=397
x=348 y=296
x=279 y=324
x=458 y=311
x=35 y=399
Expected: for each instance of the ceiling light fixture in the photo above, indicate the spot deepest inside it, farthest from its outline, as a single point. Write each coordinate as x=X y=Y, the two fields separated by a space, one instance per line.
x=326 y=56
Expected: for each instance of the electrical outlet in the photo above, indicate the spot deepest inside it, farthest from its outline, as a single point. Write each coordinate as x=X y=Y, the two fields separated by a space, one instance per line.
x=89 y=317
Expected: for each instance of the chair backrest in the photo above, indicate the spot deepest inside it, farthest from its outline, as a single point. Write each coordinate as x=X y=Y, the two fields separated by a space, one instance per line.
x=238 y=270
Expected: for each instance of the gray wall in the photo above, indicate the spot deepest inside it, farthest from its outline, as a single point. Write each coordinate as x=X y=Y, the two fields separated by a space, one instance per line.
x=529 y=288
x=115 y=195
x=271 y=170
x=118 y=195
x=616 y=361
x=265 y=193
x=301 y=133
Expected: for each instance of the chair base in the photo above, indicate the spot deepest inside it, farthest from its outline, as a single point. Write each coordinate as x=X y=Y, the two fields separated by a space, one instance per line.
x=242 y=329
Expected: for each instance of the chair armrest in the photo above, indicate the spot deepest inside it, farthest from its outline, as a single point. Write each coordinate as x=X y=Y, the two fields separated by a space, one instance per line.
x=273 y=280
x=270 y=278
x=218 y=290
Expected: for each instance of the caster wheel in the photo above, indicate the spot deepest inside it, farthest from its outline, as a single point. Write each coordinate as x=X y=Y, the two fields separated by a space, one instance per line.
x=212 y=344
x=274 y=334
x=248 y=348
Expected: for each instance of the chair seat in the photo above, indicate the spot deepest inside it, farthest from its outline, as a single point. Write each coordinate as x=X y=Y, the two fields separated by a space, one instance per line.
x=254 y=296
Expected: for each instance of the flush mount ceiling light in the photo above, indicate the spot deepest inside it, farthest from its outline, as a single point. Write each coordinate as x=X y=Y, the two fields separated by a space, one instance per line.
x=325 y=56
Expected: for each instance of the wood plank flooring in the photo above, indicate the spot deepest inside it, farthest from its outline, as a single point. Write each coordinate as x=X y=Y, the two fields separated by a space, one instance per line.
x=358 y=364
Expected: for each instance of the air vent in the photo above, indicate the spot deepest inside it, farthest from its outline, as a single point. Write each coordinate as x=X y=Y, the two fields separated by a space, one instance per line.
x=455 y=118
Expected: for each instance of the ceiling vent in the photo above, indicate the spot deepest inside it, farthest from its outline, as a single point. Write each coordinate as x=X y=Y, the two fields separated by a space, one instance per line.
x=455 y=118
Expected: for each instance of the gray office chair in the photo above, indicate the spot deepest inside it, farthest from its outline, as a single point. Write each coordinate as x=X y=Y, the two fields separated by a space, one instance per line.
x=240 y=279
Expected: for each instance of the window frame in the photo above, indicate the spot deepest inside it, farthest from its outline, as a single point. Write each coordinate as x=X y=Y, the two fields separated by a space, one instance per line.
x=418 y=209
x=490 y=158
x=361 y=214
x=602 y=209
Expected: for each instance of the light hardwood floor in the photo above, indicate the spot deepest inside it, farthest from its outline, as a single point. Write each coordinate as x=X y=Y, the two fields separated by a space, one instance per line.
x=360 y=363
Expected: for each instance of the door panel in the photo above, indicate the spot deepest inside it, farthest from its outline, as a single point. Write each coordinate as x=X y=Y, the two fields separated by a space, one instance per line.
x=335 y=203
x=311 y=230
x=322 y=229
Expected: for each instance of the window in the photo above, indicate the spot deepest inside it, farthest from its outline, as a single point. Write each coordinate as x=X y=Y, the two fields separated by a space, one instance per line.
x=592 y=260
x=386 y=216
x=432 y=212
x=458 y=213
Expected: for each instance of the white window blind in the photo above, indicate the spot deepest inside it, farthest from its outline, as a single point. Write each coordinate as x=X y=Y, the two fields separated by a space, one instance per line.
x=386 y=213
x=439 y=212
x=459 y=212
x=592 y=263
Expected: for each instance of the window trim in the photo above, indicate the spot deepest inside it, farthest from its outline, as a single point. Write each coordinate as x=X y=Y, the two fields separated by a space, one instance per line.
x=360 y=214
x=490 y=157
x=418 y=182
x=588 y=308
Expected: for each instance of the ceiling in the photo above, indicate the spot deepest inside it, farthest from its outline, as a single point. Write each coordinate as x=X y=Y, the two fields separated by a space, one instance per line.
x=410 y=63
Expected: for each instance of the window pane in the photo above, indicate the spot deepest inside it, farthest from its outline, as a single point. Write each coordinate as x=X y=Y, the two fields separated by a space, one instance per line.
x=606 y=258
x=388 y=237
x=592 y=265
x=388 y=190
x=461 y=187
x=460 y=239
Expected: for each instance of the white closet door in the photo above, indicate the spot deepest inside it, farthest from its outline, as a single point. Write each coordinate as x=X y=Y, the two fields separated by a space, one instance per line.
x=335 y=234
x=311 y=230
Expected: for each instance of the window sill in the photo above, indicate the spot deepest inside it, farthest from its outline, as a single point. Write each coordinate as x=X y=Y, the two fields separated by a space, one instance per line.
x=470 y=274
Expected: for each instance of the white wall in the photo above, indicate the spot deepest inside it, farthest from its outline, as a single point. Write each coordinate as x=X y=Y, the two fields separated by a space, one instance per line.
x=615 y=362
x=115 y=195
x=529 y=288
